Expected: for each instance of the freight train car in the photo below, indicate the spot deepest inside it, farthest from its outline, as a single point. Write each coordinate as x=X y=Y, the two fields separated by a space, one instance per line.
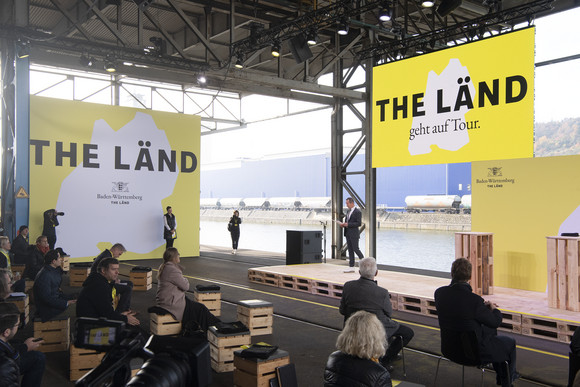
x=436 y=203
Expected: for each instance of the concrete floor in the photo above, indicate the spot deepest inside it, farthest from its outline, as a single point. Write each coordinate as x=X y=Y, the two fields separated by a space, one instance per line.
x=307 y=326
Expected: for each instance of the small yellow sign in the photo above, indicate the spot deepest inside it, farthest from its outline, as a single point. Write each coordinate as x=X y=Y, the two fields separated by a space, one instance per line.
x=21 y=194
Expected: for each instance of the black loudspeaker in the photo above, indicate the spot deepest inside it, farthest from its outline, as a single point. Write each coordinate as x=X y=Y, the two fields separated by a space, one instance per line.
x=299 y=48
x=448 y=6
x=303 y=247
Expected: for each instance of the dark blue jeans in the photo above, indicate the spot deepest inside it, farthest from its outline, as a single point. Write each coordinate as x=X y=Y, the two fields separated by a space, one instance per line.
x=509 y=348
x=32 y=365
x=124 y=290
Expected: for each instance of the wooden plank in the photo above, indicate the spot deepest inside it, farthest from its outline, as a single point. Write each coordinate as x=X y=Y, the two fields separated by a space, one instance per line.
x=552 y=273
x=561 y=270
x=485 y=264
x=572 y=275
x=458 y=245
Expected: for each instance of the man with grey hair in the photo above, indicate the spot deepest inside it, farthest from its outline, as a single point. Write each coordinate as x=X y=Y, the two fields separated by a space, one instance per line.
x=365 y=294
x=124 y=288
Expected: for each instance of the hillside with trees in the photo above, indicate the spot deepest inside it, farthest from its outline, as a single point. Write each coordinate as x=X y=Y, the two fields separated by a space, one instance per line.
x=557 y=138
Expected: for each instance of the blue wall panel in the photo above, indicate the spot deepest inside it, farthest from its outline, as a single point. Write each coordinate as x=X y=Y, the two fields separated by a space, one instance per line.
x=311 y=176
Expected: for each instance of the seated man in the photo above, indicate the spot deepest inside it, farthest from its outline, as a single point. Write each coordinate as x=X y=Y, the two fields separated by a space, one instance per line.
x=5 y=284
x=35 y=260
x=365 y=294
x=50 y=300
x=123 y=288
x=18 y=359
x=20 y=246
x=6 y=260
x=96 y=297
x=459 y=309
x=6 y=256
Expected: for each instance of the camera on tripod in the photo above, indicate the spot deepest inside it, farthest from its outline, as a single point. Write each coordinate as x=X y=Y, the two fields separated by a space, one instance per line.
x=169 y=361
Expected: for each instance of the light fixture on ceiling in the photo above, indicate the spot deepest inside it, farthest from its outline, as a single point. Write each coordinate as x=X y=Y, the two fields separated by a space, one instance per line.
x=85 y=61
x=427 y=3
x=239 y=62
x=22 y=49
x=342 y=27
x=110 y=66
x=201 y=79
x=276 y=48
x=385 y=13
x=311 y=37
x=447 y=6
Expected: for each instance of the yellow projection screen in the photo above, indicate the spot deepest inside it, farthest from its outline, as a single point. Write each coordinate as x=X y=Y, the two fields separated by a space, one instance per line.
x=467 y=103
x=112 y=171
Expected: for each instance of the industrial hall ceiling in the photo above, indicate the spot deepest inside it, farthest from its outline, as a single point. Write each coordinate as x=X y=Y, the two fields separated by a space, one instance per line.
x=231 y=42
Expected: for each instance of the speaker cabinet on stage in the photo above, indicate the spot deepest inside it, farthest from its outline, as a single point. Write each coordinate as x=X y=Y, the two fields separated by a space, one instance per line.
x=303 y=247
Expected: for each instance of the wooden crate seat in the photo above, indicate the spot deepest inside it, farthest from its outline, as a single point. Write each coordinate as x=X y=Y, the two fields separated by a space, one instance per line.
x=257 y=315
x=164 y=325
x=55 y=333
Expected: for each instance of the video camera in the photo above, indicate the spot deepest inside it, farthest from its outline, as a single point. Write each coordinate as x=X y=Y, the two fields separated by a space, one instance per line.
x=168 y=361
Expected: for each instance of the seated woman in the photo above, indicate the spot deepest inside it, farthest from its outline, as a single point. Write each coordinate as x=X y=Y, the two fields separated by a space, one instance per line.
x=356 y=363
x=171 y=288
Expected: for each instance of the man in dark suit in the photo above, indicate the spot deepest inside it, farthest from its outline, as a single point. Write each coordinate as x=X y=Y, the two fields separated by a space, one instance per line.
x=351 y=233
x=123 y=288
x=365 y=294
x=459 y=309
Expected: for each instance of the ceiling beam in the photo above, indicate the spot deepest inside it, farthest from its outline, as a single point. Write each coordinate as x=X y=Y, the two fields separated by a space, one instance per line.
x=193 y=28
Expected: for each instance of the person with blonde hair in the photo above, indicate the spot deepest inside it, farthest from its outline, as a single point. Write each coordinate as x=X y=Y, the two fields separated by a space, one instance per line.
x=360 y=346
x=171 y=288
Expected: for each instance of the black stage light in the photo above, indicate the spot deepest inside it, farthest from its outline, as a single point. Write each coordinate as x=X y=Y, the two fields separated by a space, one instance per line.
x=447 y=6
x=239 y=63
x=384 y=14
x=85 y=61
x=110 y=66
x=342 y=27
x=311 y=37
x=22 y=49
x=276 y=48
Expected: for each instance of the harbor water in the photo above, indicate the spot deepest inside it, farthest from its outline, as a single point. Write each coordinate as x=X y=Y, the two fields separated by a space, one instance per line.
x=418 y=249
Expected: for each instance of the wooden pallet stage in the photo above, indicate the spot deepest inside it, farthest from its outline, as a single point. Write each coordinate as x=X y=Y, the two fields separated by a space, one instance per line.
x=524 y=312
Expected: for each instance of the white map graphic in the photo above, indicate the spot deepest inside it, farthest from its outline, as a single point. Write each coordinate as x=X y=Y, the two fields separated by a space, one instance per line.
x=90 y=197
x=441 y=126
x=572 y=223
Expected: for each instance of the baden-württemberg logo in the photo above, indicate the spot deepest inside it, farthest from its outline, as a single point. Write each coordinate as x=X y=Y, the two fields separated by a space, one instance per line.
x=120 y=186
x=492 y=181
x=494 y=172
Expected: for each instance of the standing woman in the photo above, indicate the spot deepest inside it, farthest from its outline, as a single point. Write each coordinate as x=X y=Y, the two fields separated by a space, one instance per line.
x=234 y=229
x=169 y=226
x=171 y=288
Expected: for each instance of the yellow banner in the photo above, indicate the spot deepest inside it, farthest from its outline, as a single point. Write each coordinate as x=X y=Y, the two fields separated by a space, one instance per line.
x=467 y=103
x=112 y=171
x=522 y=202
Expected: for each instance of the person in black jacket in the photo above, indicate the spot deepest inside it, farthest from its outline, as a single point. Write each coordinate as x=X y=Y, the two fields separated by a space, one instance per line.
x=360 y=344
x=234 y=229
x=49 y=227
x=96 y=297
x=35 y=260
x=49 y=299
x=20 y=246
x=169 y=226
x=351 y=225
x=18 y=359
x=365 y=294
x=459 y=309
x=123 y=288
